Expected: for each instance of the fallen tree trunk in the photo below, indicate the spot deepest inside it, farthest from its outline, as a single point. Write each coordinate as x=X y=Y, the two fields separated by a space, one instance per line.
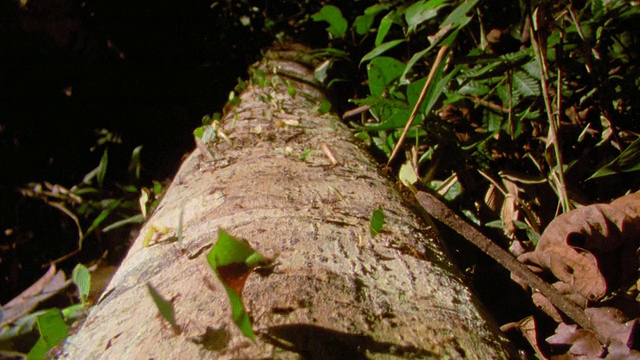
x=335 y=291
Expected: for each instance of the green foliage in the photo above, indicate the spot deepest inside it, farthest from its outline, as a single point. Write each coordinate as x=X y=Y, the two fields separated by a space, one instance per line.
x=232 y=260
x=52 y=331
x=82 y=278
x=557 y=102
x=337 y=23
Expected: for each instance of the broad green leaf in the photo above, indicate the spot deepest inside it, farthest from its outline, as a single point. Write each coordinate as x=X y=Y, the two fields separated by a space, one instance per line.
x=233 y=260
x=379 y=50
x=337 y=23
x=165 y=308
x=52 y=331
x=627 y=161
x=381 y=72
x=363 y=23
x=377 y=221
x=82 y=278
x=420 y=12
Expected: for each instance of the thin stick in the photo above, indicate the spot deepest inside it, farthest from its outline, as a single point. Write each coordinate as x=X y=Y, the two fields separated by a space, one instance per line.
x=441 y=53
x=436 y=208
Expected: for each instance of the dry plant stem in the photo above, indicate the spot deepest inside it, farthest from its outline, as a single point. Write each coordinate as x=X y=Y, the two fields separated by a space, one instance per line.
x=556 y=168
x=442 y=213
x=441 y=54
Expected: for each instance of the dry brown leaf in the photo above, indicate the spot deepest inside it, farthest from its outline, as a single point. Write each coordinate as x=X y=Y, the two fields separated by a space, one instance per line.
x=614 y=327
x=591 y=248
x=577 y=269
x=583 y=343
x=48 y=285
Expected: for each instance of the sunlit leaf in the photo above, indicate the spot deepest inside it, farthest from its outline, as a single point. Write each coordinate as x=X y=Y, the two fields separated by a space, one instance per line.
x=82 y=278
x=52 y=331
x=337 y=23
x=233 y=260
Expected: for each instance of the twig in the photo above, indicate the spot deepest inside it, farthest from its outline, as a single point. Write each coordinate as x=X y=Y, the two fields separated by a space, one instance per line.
x=436 y=208
x=557 y=168
x=356 y=111
x=441 y=53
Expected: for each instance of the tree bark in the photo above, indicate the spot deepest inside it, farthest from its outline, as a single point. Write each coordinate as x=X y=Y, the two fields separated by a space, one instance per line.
x=335 y=291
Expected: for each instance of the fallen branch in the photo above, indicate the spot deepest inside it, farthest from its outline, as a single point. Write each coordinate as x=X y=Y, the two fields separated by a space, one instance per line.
x=436 y=208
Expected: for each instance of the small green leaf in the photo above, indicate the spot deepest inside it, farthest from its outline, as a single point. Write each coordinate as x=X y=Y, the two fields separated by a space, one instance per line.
x=165 y=308
x=135 y=165
x=627 y=161
x=304 y=155
x=233 y=260
x=381 y=49
x=337 y=23
x=82 y=278
x=407 y=175
x=102 y=168
x=52 y=330
x=377 y=221
x=100 y=218
x=136 y=219
x=325 y=107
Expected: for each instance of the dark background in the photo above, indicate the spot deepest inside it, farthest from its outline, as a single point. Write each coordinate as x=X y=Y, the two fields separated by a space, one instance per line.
x=145 y=70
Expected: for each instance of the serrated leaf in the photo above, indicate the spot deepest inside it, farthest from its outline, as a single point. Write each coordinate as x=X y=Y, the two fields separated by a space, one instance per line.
x=524 y=84
x=82 y=278
x=331 y=14
x=377 y=221
x=165 y=308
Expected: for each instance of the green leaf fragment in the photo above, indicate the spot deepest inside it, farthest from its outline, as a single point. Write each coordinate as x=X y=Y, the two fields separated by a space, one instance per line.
x=52 y=330
x=377 y=221
x=82 y=278
x=232 y=261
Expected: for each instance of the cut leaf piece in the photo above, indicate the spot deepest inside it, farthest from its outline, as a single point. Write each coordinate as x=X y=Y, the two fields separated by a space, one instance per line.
x=233 y=260
x=377 y=221
x=331 y=14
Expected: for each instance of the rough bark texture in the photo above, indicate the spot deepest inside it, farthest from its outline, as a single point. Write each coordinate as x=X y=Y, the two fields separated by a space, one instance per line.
x=335 y=291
